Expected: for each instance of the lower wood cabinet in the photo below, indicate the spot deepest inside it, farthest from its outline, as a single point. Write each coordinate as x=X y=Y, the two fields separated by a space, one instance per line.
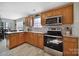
x=12 y=38
x=36 y=39
x=70 y=46
x=40 y=40
x=20 y=38
x=28 y=37
x=15 y=39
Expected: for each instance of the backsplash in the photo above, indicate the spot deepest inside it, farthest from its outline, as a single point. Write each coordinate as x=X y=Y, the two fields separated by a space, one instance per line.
x=43 y=29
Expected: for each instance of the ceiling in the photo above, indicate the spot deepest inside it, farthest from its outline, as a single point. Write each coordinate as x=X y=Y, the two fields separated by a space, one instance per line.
x=15 y=10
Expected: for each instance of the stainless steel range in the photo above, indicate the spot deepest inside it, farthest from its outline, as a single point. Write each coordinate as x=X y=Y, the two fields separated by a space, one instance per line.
x=53 y=43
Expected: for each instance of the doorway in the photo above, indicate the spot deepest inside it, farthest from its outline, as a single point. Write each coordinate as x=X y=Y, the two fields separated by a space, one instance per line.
x=3 y=40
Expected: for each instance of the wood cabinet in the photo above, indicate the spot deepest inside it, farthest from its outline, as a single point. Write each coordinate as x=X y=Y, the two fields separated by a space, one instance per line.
x=29 y=21
x=43 y=19
x=28 y=36
x=36 y=39
x=40 y=40
x=70 y=46
x=21 y=38
x=65 y=11
x=59 y=12
x=15 y=39
x=68 y=15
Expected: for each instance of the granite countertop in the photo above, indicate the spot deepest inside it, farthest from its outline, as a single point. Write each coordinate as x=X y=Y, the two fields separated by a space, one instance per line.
x=36 y=32
x=14 y=32
x=70 y=36
x=23 y=31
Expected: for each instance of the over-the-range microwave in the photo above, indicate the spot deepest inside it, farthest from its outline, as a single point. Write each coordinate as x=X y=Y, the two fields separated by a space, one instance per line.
x=54 y=20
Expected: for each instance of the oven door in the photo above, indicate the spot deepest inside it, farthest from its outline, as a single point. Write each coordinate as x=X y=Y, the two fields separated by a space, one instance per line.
x=53 y=43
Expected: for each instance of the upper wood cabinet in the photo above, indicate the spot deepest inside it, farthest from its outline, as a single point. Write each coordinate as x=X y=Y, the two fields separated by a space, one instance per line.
x=65 y=11
x=70 y=46
x=26 y=21
x=29 y=21
x=68 y=15
x=59 y=12
x=43 y=19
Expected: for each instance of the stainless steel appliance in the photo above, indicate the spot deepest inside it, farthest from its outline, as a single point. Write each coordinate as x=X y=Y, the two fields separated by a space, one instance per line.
x=54 y=20
x=53 y=43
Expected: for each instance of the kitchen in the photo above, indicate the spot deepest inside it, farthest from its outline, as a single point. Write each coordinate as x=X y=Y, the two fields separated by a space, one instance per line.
x=53 y=30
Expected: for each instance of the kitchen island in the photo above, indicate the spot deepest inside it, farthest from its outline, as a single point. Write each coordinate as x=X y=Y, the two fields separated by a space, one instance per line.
x=14 y=39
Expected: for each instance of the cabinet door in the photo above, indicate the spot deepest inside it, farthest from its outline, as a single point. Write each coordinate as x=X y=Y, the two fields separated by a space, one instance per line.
x=28 y=37
x=59 y=12
x=35 y=39
x=13 y=40
x=70 y=46
x=25 y=37
x=26 y=21
x=40 y=41
x=31 y=36
x=21 y=38
x=29 y=21
x=68 y=15
x=43 y=19
x=53 y=12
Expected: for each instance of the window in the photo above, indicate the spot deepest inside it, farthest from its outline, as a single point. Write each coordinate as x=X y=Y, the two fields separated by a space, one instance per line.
x=6 y=25
x=19 y=26
x=37 y=21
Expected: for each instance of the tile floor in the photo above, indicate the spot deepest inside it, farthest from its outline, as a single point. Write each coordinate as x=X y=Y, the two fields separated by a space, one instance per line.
x=23 y=50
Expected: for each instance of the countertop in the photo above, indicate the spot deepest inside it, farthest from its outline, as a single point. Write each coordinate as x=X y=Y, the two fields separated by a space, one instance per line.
x=14 y=32
x=73 y=36
x=23 y=31
x=36 y=32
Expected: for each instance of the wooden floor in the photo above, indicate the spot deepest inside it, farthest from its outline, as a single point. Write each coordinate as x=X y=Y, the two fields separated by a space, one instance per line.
x=23 y=50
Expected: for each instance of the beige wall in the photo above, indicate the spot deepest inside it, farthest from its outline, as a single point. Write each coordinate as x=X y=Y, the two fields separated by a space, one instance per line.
x=76 y=19
x=76 y=22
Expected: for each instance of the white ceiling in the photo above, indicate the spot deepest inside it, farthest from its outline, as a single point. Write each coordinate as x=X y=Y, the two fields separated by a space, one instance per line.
x=15 y=10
